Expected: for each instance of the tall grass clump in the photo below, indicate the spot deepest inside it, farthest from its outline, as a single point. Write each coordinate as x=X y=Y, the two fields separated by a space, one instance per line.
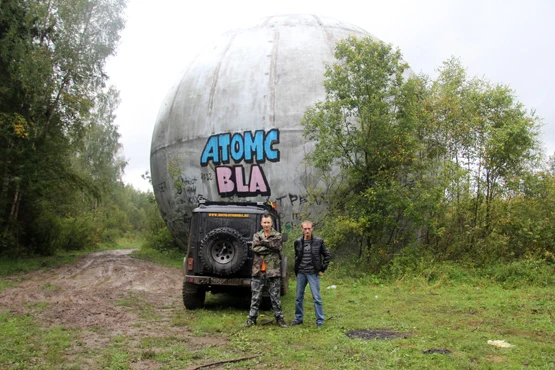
x=526 y=272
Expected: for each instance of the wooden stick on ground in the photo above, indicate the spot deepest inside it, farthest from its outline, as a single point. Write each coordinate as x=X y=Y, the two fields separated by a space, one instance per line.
x=222 y=362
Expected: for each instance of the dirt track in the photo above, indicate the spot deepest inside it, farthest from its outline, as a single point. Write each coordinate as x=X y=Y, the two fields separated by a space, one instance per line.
x=88 y=295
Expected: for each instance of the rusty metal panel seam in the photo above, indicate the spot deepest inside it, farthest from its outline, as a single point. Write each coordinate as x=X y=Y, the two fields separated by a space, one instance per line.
x=273 y=78
x=216 y=76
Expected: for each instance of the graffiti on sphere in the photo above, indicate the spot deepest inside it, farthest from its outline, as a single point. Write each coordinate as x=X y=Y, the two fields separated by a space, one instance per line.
x=253 y=148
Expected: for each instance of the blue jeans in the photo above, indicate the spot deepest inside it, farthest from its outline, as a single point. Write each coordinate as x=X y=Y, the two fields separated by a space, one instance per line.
x=313 y=281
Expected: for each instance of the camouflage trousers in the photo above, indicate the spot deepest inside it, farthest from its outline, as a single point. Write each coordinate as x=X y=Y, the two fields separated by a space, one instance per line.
x=274 y=286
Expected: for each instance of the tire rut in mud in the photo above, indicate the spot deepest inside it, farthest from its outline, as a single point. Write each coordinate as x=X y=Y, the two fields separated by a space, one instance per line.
x=88 y=295
x=87 y=292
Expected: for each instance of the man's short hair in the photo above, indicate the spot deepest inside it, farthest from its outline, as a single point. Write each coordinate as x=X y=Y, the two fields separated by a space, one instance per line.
x=266 y=215
x=306 y=222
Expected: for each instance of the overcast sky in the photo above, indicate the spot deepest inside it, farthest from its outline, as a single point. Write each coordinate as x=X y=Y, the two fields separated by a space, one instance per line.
x=509 y=42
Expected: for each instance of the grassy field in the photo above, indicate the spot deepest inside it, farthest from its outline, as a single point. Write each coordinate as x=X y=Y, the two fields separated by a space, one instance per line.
x=457 y=318
x=433 y=325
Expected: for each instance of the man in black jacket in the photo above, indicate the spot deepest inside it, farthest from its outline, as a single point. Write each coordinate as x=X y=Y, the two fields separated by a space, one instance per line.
x=309 y=251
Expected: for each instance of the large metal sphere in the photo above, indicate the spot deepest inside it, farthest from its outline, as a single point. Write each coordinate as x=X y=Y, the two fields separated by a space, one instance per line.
x=229 y=129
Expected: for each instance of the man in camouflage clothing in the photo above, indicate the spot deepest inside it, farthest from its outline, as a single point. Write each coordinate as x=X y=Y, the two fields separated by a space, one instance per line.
x=266 y=246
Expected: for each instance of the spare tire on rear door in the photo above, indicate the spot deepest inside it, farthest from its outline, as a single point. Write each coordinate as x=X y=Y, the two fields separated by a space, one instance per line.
x=223 y=251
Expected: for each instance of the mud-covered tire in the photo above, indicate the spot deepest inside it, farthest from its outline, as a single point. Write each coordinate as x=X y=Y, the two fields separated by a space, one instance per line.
x=193 y=296
x=223 y=251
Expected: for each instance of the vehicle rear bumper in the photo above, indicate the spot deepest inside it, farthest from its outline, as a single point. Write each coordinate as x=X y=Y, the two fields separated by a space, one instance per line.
x=206 y=280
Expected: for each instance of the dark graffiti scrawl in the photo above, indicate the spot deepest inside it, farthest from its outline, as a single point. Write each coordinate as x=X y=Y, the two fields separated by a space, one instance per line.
x=252 y=148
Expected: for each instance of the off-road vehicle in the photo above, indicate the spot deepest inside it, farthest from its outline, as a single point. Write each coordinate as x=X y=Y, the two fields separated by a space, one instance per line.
x=219 y=253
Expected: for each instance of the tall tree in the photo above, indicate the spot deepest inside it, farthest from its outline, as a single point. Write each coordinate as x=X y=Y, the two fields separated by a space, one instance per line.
x=98 y=151
x=490 y=143
x=366 y=133
x=52 y=57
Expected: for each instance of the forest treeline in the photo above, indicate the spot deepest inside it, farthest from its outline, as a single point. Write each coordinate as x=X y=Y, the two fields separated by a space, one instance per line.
x=420 y=169
x=61 y=161
x=449 y=168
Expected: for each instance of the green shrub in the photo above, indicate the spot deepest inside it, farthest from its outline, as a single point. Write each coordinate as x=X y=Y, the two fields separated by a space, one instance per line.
x=43 y=234
x=528 y=271
x=407 y=262
x=115 y=223
x=346 y=268
x=161 y=240
x=110 y=235
x=8 y=244
x=77 y=233
x=50 y=233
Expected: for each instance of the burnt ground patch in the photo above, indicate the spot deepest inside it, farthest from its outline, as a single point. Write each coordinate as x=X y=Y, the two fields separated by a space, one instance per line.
x=441 y=351
x=369 y=334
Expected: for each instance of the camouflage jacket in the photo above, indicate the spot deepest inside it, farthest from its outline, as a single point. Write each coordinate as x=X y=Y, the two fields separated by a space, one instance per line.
x=267 y=249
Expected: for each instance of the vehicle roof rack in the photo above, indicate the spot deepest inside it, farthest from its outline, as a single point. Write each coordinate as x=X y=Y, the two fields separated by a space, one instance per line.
x=266 y=204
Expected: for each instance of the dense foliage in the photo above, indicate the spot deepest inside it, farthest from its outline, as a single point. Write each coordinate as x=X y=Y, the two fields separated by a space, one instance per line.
x=60 y=161
x=447 y=169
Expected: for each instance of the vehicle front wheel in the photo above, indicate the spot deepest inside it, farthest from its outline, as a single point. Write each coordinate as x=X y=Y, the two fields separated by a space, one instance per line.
x=193 y=296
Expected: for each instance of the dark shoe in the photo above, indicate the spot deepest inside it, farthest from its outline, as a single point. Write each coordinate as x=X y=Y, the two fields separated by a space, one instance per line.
x=296 y=322
x=250 y=323
x=281 y=322
x=319 y=324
